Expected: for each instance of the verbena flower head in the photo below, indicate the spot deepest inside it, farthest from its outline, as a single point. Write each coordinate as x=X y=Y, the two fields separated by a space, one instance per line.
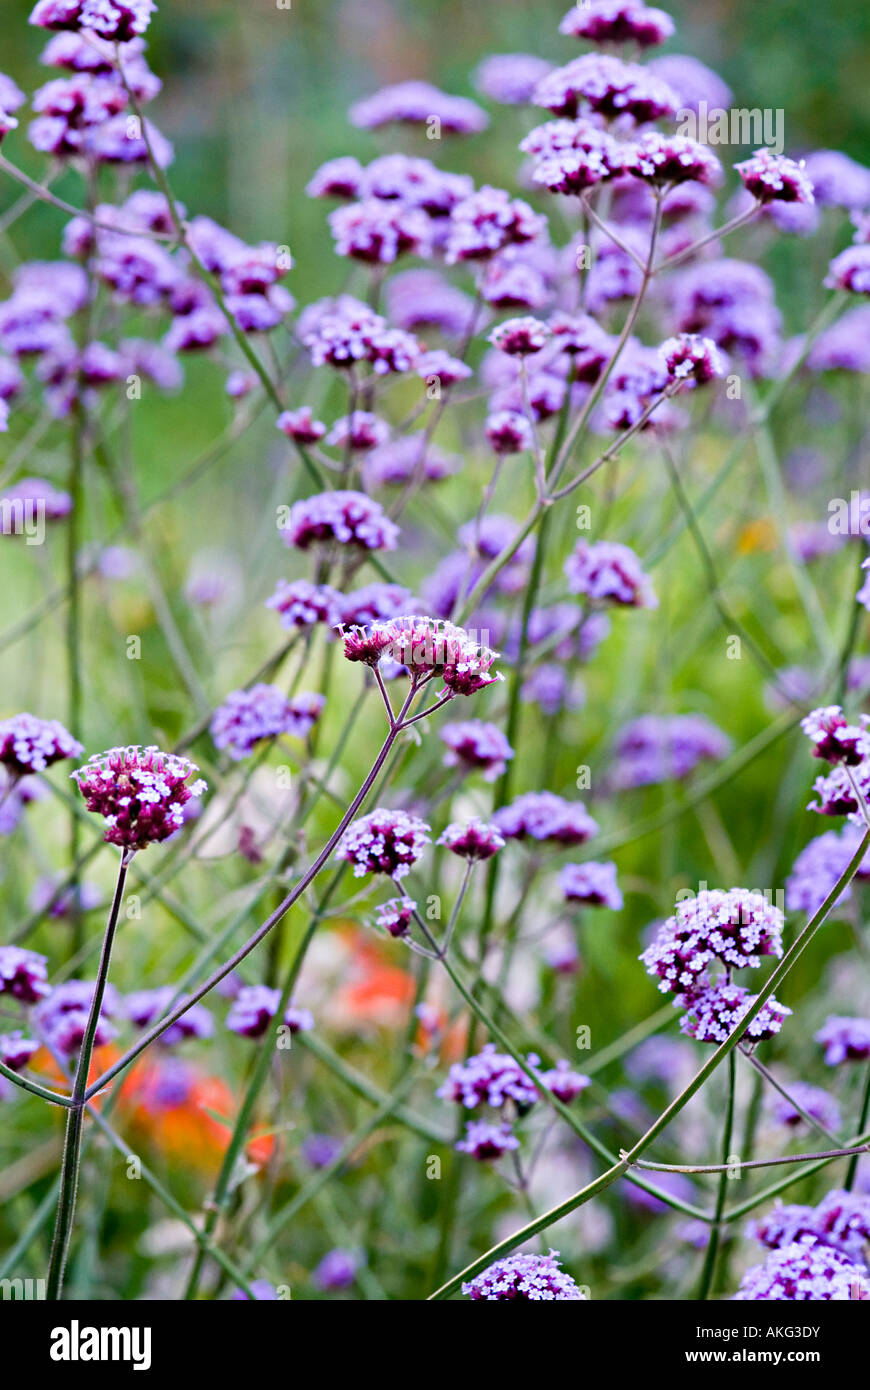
x=63 y=1015
x=805 y=1271
x=28 y=744
x=714 y=1012
x=360 y=431
x=477 y=746
x=252 y=1010
x=489 y=220
x=509 y=432
x=23 y=974
x=119 y=20
x=573 y=156
x=425 y=647
x=418 y=103
x=818 y=867
x=609 y=572
x=735 y=928
x=618 y=21
x=671 y=159
x=520 y=337
x=247 y=717
x=396 y=915
x=337 y=1270
x=691 y=359
x=545 y=816
x=16 y=1050
x=834 y=739
x=844 y=1039
x=591 y=883
x=537 y=1278
x=663 y=748
x=383 y=842
x=601 y=83
x=140 y=793
x=302 y=604
x=850 y=270
x=814 y=1101
x=472 y=839
x=301 y=425
x=145 y=1006
x=565 y=1083
x=489 y=1078
x=774 y=178
x=340 y=518
x=836 y=793
x=486 y=1141
x=377 y=231
x=510 y=78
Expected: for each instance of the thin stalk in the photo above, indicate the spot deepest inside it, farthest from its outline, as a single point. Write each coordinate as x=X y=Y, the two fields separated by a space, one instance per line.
x=852 y=1171
x=75 y=1121
x=712 y=1252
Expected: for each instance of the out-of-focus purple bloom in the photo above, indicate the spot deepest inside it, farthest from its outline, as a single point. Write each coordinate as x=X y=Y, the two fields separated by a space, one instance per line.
x=262 y=1291
x=845 y=345
x=602 y=83
x=321 y=1149
x=510 y=78
x=609 y=572
x=850 y=270
x=844 y=1039
x=418 y=103
x=148 y=1005
x=360 y=431
x=692 y=359
x=509 y=432
x=28 y=744
x=119 y=20
x=336 y=1271
x=303 y=604
x=64 y=902
x=23 y=974
x=301 y=425
x=618 y=21
x=476 y=745
x=520 y=337
x=565 y=1083
x=489 y=220
x=16 y=1050
x=340 y=518
x=411 y=456
x=815 y=1102
x=593 y=883
x=545 y=816
x=424 y=299
x=63 y=1015
x=818 y=867
x=473 y=839
x=247 y=717
x=536 y=1278
x=694 y=83
x=373 y=603
x=28 y=499
x=837 y=180
x=486 y=1141
x=657 y=748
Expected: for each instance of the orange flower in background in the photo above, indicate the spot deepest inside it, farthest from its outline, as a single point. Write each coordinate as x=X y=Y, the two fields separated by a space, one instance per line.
x=755 y=536
x=376 y=992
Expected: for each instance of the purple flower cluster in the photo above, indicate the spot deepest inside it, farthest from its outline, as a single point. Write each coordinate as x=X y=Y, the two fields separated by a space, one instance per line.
x=734 y=928
x=658 y=748
x=147 y=1005
x=418 y=103
x=845 y=1040
x=537 y=1278
x=476 y=746
x=248 y=717
x=383 y=842
x=713 y=1014
x=608 y=572
x=473 y=839
x=339 y=518
x=118 y=20
x=255 y=1006
x=140 y=793
x=28 y=744
x=546 y=816
x=23 y=974
x=62 y=1016
x=813 y=1101
x=805 y=1271
x=425 y=647
x=485 y=1141
x=618 y=21
x=490 y=1078
x=591 y=883
x=608 y=86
